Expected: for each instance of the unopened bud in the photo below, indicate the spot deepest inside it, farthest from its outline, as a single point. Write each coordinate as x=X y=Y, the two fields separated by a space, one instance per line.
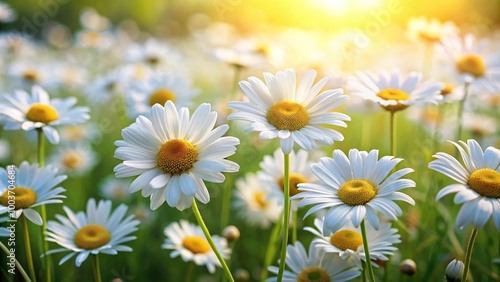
x=454 y=271
x=231 y=233
x=242 y=275
x=408 y=267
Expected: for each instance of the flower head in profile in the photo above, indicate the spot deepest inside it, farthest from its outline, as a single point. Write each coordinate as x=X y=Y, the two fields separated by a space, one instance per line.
x=355 y=187
x=253 y=203
x=347 y=242
x=33 y=187
x=293 y=113
x=98 y=230
x=395 y=91
x=188 y=241
x=472 y=62
x=478 y=187
x=314 y=265
x=430 y=30
x=21 y=110
x=173 y=154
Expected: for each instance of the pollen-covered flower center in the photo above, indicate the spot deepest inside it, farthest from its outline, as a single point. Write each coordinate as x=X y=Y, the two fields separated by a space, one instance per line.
x=485 y=182
x=287 y=115
x=19 y=197
x=92 y=236
x=430 y=35
x=161 y=96
x=313 y=274
x=260 y=199
x=72 y=160
x=176 y=156
x=447 y=89
x=346 y=239
x=295 y=179
x=471 y=64
x=42 y=113
x=196 y=244
x=394 y=94
x=31 y=76
x=357 y=192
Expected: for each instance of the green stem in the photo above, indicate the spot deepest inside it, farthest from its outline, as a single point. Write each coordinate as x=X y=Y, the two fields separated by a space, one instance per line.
x=286 y=216
x=43 y=210
x=461 y=110
x=294 y=226
x=189 y=273
x=369 y=265
x=27 y=245
x=97 y=269
x=271 y=248
x=197 y=214
x=18 y=265
x=393 y=133
x=363 y=273
x=468 y=253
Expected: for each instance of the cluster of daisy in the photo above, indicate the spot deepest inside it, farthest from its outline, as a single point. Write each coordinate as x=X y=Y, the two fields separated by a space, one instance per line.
x=177 y=150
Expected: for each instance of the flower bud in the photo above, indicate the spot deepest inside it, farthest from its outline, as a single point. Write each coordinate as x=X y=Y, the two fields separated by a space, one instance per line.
x=408 y=267
x=241 y=275
x=454 y=271
x=231 y=233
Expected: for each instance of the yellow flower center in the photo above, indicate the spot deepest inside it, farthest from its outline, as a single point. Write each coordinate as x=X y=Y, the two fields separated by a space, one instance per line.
x=196 y=244
x=92 y=236
x=430 y=36
x=486 y=182
x=260 y=199
x=19 y=197
x=394 y=94
x=295 y=179
x=471 y=64
x=153 y=60
x=176 y=156
x=357 y=192
x=42 y=113
x=72 y=160
x=313 y=274
x=287 y=115
x=31 y=76
x=346 y=239
x=161 y=96
x=447 y=89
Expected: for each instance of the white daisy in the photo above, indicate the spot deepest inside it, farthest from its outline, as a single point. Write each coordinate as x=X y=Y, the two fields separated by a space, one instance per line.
x=153 y=52
x=478 y=187
x=281 y=109
x=315 y=266
x=354 y=188
x=39 y=111
x=115 y=189
x=300 y=172
x=26 y=74
x=75 y=159
x=243 y=54
x=188 y=241
x=430 y=30
x=348 y=242
x=158 y=88
x=395 y=91
x=98 y=230
x=173 y=153
x=472 y=62
x=252 y=202
x=34 y=187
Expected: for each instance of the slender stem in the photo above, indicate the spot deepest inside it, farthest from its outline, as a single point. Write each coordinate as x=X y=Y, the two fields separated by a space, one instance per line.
x=18 y=265
x=286 y=215
x=97 y=269
x=393 y=133
x=197 y=214
x=294 y=226
x=369 y=265
x=43 y=210
x=461 y=110
x=363 y=273
x=27 y=245
x=271 y=248
x=189 y=273
x=468 y=253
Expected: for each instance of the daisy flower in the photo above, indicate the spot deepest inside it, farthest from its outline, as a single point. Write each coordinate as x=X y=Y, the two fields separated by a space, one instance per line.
x=98 y=230
x=348 y=242
x=314 y=265
x=75 y=159
x=252 y=202
x=355 y=187
x=478 y=187
x=281 y=109
x=158 y=88
x=34 y=187
x=468 y=57
x=188 y=241
x=39 y=111
x=430 y=30
x=395 y=91
x=153 y=52
x=300 y=172
x=115 y=189
x=173 y=153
